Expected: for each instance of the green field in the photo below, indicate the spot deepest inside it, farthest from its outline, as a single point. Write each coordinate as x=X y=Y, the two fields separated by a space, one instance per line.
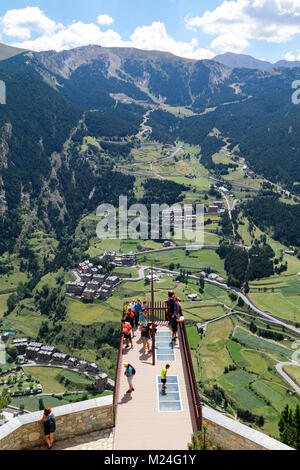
x=247 y=400
x=32 y=403
x=294 y=372
x=193 y=337
x=47 y=376
x=3 y=303
x=256 y=361
x=237 y=379
x=235 y=352
x=267 y=392
x=195 y=261
x=259 y=343
x=213 y=352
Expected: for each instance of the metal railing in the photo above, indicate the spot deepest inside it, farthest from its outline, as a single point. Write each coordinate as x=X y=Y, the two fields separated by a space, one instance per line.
x=118 y=374
x=159 y=310
x=191 y=376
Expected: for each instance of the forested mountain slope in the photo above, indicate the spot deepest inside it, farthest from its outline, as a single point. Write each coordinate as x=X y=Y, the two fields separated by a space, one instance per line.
x=56 y=99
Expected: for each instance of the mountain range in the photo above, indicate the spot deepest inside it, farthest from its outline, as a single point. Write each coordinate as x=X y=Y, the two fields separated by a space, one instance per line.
x=248 y=62
x=55 y=99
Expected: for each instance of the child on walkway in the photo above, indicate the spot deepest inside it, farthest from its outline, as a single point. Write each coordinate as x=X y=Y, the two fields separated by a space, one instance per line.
x=163 y=377
x=129 y=373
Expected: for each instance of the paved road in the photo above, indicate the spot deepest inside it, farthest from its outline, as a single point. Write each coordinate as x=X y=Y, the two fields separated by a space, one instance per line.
x=238 y=185
x=285 y=376
x=158 y=160
x=234 y=204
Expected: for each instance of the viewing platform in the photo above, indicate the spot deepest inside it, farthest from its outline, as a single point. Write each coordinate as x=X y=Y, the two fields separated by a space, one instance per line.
x=160 y=422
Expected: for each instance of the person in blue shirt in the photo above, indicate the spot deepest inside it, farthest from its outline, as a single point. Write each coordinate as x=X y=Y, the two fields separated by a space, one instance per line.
x=129 y=375
x=143 y=317
x=137 y=310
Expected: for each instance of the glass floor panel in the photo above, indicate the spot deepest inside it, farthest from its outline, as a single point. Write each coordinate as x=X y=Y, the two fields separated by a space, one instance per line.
x=170 y=387
x=172 y=379
x=165 y=357
x=170 y=396
x=171 y=400
x=170 y=406
x=164 y=346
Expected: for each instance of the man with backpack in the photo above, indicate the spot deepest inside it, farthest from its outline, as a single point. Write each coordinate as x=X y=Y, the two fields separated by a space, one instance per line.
x=129 y=373
x=127 y=333
x=49 y=426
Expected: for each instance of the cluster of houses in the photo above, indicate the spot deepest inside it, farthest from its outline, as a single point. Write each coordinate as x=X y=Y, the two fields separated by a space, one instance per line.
x=40 y=353
x=90 y=283
x=216 y=207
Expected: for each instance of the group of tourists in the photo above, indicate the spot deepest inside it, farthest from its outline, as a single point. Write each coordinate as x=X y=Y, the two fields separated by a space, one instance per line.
x=135 y=314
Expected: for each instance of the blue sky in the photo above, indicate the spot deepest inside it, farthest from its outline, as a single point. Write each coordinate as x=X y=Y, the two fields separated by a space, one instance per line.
x=268 y=29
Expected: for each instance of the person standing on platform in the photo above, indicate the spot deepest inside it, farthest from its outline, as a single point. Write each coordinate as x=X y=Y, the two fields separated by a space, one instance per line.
x=143 y=318
x=163 y=377
x=127 y=333
x=137 y=310
x=129 y=373
x=48 y=420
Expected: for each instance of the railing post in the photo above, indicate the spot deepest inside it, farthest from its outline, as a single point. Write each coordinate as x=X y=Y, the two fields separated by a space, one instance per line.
x=191 y=376
x=117 y=375
x=153 y=329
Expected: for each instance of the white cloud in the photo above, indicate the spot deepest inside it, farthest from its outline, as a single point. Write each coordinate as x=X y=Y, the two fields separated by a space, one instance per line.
x=20 y=23
x=105 y=20
x=76 y=35
x=155 y=37
x=292 y=57
x=59 y=37
x=236 y=22
x=230 y=43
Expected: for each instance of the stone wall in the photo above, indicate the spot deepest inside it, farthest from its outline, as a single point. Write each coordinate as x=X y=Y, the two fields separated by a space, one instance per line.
x=229 y=434
x=26 y=431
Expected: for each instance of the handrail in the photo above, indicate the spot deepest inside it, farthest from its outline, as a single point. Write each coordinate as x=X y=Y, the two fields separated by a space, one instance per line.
x=191 y=376
x=118 y=375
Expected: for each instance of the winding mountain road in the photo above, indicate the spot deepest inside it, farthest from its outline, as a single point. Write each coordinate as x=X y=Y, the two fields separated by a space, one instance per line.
x=285 y=376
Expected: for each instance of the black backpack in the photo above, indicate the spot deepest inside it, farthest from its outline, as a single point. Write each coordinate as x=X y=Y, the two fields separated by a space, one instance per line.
x=52 y=423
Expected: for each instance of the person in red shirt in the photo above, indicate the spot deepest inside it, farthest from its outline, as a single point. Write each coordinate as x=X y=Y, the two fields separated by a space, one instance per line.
x=127 y=333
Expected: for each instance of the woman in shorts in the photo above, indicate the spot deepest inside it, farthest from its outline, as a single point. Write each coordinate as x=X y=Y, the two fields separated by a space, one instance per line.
x=143 y=318
x=49 y=426
x=146 y=338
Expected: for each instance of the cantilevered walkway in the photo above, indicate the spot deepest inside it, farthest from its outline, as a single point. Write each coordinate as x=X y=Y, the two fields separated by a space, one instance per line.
x=145 y=419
